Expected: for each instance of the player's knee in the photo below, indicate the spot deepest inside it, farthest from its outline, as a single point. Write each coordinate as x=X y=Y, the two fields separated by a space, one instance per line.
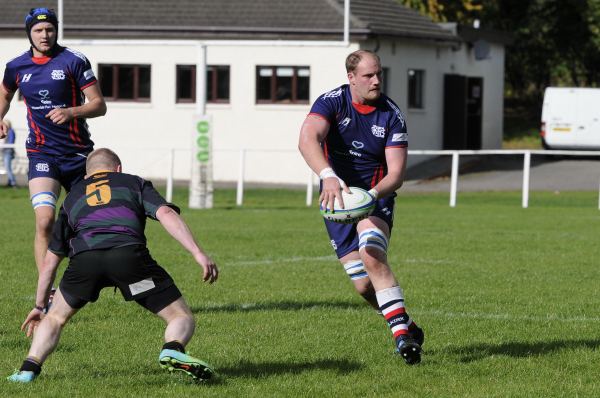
x=373 y=242
x=44 y=223
x=56 y=319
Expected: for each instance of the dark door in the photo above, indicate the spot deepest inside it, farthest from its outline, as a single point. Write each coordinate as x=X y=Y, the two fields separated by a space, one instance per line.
x=463 y=100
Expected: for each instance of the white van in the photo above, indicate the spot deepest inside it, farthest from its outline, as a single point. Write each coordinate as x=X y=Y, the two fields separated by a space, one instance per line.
x=571 y=118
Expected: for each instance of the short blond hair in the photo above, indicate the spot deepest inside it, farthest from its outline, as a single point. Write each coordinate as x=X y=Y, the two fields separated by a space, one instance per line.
x=354 y=58
x=102 y=159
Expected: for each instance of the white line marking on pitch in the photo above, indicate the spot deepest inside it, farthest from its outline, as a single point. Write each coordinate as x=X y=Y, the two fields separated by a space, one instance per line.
x=324 y=258
x=508 y=317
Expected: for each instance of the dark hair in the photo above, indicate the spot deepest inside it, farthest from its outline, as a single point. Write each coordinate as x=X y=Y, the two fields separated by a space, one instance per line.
x=353 y=59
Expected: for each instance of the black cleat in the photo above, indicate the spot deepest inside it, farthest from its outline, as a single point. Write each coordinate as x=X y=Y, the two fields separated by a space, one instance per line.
x=417 y=335
x=409 y=350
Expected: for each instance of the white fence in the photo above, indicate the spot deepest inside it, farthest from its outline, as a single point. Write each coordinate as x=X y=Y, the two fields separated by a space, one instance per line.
x=454 y=175
x=312 y=178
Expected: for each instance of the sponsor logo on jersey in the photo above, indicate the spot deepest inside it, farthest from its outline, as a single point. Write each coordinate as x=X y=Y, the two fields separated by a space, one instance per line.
x=88 y=74
x=333 y=244
x=377 y=131
x=58 y=74
x=358 y=144
x=333 y=93
x=26 y=78
x=42 y=167
x=345 y=122
x=354 y=153
x=44 y=97
x=399 y=137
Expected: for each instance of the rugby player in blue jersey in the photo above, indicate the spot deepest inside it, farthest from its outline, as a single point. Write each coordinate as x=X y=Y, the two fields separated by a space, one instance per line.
x=356 y=136
x=54 y=82
x=100 y=227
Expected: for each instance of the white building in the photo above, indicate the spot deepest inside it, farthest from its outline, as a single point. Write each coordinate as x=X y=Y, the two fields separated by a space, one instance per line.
x=447 y=80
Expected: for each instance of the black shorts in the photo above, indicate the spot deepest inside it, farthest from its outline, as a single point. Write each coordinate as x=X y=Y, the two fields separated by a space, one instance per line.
x=129 y=268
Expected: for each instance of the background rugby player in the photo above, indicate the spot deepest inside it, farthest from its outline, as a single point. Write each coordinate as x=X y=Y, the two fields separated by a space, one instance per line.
x=54 y=82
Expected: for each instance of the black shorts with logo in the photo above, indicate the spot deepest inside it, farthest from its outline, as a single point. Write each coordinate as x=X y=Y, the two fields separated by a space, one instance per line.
x=129 y=268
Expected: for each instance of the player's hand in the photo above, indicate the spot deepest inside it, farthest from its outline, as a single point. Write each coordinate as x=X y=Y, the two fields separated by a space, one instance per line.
x=32 y=321
x=60 y=115
x=332 y=189
x=211 y=272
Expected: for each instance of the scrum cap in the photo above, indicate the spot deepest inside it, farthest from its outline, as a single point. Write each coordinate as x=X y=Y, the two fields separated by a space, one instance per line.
x=37 y=15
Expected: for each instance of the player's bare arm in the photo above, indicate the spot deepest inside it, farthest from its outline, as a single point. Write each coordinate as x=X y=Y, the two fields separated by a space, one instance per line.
x=94 y=107
x=179 y=230
x=5 y=99
x=396 y=163
x=313 y=132
x=45 y=280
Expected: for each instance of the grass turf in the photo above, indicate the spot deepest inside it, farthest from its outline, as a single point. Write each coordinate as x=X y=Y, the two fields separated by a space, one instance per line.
x=508 y=298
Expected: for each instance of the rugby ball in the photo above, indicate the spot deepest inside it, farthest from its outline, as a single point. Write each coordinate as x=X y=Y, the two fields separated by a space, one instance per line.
x=358 y=204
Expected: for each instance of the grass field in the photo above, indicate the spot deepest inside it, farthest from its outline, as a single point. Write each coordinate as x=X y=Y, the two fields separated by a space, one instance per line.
x=508 y=297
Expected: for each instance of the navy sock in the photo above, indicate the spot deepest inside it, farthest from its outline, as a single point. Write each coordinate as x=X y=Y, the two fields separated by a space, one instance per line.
x=30 y=365
x=174 y=345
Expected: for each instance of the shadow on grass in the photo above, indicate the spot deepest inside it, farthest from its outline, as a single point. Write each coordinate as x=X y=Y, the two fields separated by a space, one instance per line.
x=266 y=369
x=521 y=350
x=244 y=369
x=279 y=305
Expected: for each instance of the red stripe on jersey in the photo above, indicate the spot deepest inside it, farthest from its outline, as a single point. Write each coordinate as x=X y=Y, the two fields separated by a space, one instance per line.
x=88 y=85
x=363 y=109
x=397 y=146
x=32 y=150
x=395 y=312
x=325 y=152
x=376 y=177
x=40 y=139
x=318 y=115
x=73 y=126
x=41 y=60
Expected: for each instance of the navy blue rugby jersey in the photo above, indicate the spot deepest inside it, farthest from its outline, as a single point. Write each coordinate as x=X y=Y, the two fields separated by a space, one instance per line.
x=359 y=135
x=56 y=81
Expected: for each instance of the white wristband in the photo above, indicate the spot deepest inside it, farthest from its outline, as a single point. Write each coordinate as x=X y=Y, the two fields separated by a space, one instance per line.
x=326 y=173
x=373 y=192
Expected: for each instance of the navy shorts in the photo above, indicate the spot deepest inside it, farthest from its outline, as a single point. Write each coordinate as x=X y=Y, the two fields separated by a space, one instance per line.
x=66 y=169
x=344 y=237
x=131 y=269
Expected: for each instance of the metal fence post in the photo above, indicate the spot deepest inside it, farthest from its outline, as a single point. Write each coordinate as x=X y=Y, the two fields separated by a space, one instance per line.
x=240 y=184
x=526 y=167
x=454 y=179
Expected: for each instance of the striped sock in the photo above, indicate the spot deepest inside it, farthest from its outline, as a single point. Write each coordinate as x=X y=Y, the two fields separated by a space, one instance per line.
x=391 y=304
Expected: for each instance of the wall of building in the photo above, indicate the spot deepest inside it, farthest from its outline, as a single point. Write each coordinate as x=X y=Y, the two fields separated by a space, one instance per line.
x=144 y=133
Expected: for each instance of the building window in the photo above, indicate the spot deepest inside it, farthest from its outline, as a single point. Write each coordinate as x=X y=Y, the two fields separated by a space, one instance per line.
x=282 y=84
x=217 y=83
x=385 y=76
x=125 y=82
x=416 y=82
